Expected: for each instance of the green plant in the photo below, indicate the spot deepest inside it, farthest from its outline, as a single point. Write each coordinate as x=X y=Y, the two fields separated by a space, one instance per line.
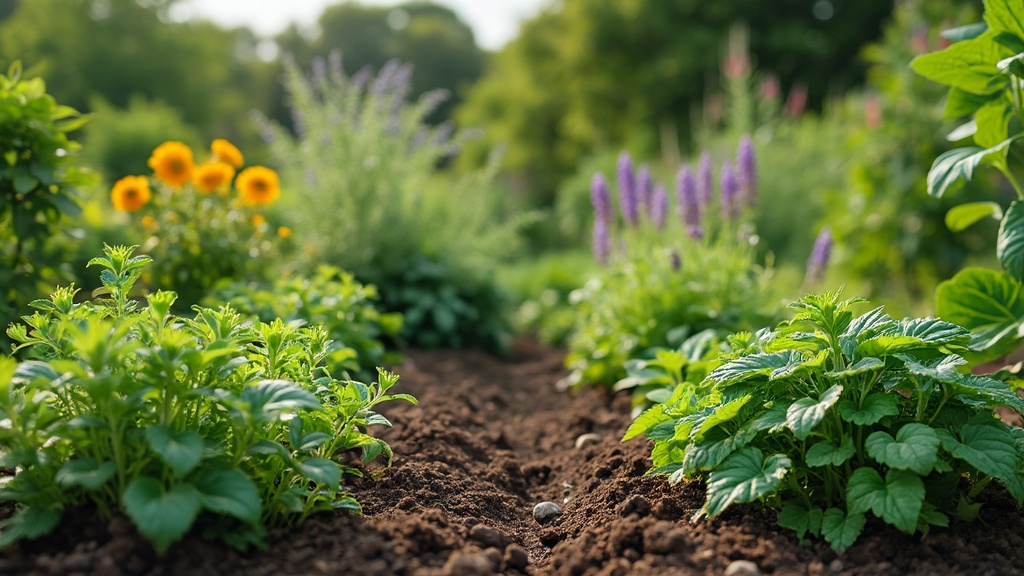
x=37 y=177
x=652 y=380
x=176 y=422
x=331 y=298
x=984 y=69
x=829 y=417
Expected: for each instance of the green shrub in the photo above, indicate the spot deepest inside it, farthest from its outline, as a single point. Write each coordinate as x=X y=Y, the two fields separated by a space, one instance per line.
x=176 y=422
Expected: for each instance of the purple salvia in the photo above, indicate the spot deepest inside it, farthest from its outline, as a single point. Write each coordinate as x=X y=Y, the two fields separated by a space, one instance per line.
x=730 y=192
x=820 y=254
x=689 y=205
x=658 y=207
x=627 y=188
x=746 y=168
x=601 y=199
x=602 y=242
x=704 y=182
x=644 y=188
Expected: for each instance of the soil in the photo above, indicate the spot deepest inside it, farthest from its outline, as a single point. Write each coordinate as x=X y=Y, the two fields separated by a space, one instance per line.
x=490 y=439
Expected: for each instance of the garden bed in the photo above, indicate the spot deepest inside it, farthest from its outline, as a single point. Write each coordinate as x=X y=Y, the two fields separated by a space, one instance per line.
x=489 y=440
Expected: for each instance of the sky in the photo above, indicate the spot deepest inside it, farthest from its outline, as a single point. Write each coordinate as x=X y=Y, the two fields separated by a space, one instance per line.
x=494 y=22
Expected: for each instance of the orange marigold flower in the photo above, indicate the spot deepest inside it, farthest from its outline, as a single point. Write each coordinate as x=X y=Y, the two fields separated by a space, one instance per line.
x=130 y=193
x=212 y=176
x=258 y=186
x=172 y=162
x=284 y=232
x=227 y=152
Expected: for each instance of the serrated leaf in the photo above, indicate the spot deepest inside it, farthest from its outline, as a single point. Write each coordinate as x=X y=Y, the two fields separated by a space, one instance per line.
x=744 y=477
x=805 y=414
x=752 y=366
x=322 y=471
x=988 y=448
x=987 y=302
x=911 y=334
x=825 y=453
x=28 y=523
x=969 y=65
x=772 y=420
x=162 y=516
x=229 y=491
x=795 y=516
x=646 y=420
x=1004 y=16
x=721 y=414
x=876 y=406
x=862 y=366
x=916 y=447
x=897 y=499
x=707 y=455
x=1010 y=242
x=841 y=530
x=963 y=216
x=180 y=451
x=86 y=472
x=959 y=164
x=267 y=399
x=970 y=388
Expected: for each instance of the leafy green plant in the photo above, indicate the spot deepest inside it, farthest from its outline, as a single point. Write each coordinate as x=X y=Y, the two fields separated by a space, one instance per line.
x=983 y=68
x=176 y=422
x=38 y=175
x=331 y=298
x=653 y=380
x=830 y=417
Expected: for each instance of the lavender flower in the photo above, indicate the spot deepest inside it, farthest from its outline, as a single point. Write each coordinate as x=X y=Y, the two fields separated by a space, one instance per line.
x=704 y=182
x=627 y=185
x=644 y=188
x=820 y=254
x=602 y=242
x=689 y=205
x=601 y=199
x=730 y=192
x=747 y=171
x=658 y=207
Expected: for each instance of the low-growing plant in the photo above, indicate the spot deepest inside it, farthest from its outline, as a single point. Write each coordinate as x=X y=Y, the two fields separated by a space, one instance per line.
x=176 y=422
x=830 y=417
x=333 y=299
x=653 y=380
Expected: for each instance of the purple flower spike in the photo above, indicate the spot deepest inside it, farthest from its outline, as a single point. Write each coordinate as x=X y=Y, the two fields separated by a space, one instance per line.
x=730 y=192
x=689 y=205
x=600 y=198
x=602 y=242
x=658 y=207
x=644 y=188
x=704 y=181
x=746 y=168
x=820 y=254
x=627 y=185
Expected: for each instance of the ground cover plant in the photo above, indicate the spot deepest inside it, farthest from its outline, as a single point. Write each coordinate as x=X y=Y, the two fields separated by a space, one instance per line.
x=176 y=422
x=832 y=416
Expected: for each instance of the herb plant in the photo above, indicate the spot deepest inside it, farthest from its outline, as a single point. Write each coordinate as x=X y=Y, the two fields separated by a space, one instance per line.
x=832 y=417
x=176 y=422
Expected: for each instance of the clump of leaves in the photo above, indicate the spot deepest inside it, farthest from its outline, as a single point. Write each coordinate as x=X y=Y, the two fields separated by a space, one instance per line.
x=333 y=299
x=173 y=421
x=831 y=418
x=652 y=380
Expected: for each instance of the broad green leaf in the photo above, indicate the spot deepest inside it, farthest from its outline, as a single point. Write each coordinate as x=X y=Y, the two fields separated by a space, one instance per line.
x=795 y=516
x=959 y=164
x=322 y=471
x=723 y=413
x=969 y=65
x=1010 y=243
x=969 y=387
x=229 y=491
x=864 y=327
x=841 y=530
x=988 y=448
x=744 y=477
x=707 y=455
x=897 y=499
x=960 y=103
x=269 y=398
x=862 y=366
x=1005 y=16
x=180 y=451
x=963 y=216
x=162 y=516
x=28 y=523
x=993 y=121
x=876 y=406
x=752 y=366
x=772 y=420
x=806 y=413
x=916 y=447
x=930 y=516
x=646 y=420
x=825 y=453
x=911 y=334
x=86 y=472
x=987 y=302
x=799 y=364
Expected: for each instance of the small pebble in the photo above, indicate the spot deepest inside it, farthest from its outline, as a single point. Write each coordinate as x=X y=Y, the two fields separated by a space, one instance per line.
x=546 y=512
x=742 y=568
x=487 y=536
x=585 y=440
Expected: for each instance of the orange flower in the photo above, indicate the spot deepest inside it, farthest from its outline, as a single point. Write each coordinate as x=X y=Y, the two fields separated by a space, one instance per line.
x=130 y=193
x=148 y=221
x=172 y=162
x=227 y=152
x=257 y=220
x=212 y=176
x=284 y=232
x=258 y=186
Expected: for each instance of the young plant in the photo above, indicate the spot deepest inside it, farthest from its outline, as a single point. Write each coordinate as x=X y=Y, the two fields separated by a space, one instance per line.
x=831 y=417
x=175 y=422
x=984 y=68
x=653 y=380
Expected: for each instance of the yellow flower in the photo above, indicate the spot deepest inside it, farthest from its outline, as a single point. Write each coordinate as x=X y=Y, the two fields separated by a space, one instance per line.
x=212 y=176
x=227 y=152
x=258 y=186
x=148 y=221
x=257 y=220
x=172 y=162
x=284 y=232
x=130 y=193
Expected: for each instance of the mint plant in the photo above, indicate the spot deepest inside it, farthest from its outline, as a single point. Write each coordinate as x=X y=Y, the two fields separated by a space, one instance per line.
x=176 y=422
x=832 y=417
x=984 y=67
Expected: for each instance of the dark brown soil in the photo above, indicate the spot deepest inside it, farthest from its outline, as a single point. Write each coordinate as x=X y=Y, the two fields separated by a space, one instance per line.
x=489 y=440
